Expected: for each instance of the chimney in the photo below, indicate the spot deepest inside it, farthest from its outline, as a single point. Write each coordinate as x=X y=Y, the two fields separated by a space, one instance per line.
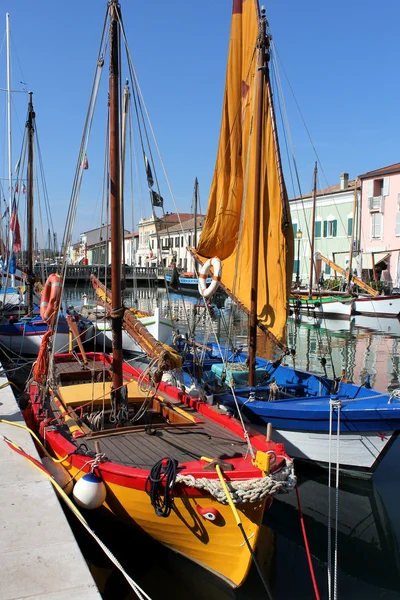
x=344 y=181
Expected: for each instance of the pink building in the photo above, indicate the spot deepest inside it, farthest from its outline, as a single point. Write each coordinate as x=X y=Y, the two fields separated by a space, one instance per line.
x=380 y=223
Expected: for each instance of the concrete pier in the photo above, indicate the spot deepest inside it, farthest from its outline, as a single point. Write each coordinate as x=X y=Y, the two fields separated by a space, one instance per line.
x=39 y=556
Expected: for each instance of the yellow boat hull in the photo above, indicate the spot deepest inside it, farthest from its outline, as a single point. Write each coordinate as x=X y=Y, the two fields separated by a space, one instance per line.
x=217 y=546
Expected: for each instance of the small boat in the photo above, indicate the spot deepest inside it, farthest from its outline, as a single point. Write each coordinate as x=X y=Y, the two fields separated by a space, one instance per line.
x=378 y=306
x=192 y=478
x=298 y=405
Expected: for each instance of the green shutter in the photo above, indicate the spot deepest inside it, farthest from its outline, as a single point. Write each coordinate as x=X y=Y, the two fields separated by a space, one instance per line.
x=334 y=228
x=296 y=265
x=294 y=229
x=325 y=228
x=318 y=227
x=350 y=226
x=327 y=270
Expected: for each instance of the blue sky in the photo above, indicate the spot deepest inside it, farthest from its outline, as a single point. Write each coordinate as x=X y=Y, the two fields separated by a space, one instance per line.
x=341 y=59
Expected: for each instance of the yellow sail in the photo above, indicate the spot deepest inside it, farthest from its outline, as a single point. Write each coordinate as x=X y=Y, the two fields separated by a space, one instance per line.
x=228 y=228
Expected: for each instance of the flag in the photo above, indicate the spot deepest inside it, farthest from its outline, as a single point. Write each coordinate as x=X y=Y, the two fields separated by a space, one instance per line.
x=13 y=264
x=5 y=212
x=14 y=226
x=85 y=162
x=149 y=174
x=156 y=199
x=151 y=251
x=16 y=187
x=24 y=189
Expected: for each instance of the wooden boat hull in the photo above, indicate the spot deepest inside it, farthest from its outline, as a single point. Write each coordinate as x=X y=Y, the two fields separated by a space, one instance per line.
x=330 y=308
x=217 y=546
x=380 y=306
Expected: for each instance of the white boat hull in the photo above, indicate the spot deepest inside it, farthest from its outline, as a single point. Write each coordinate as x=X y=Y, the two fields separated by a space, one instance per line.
x=30 y=344
x=159 y=327
x=357 y=451
x=381 y=306
x=311 y=311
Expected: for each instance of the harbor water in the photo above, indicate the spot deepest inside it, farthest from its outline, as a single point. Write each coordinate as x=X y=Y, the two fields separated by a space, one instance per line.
x=368 y=518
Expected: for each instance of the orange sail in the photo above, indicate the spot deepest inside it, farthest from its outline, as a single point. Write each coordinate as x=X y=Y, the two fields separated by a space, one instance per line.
x=228 y=229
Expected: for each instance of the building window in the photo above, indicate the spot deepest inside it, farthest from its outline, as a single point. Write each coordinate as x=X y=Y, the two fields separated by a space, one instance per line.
x=294 y=229
x=327 y=270
x=330 y=227
x=176 y=242
x=376 y=225
x=349 y=225
x=152 y=244
x=318 y=229
x=182 y=241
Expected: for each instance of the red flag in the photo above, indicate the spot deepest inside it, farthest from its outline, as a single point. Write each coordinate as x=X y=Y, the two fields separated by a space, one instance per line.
x=14 y=226
x=85 y=162
x=24 y=189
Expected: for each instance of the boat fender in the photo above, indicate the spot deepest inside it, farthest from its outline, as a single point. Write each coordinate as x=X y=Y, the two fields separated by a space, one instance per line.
x=89 y=491
x=209 y=513
x=50 y=297
x=209 y=291
x=59 y=474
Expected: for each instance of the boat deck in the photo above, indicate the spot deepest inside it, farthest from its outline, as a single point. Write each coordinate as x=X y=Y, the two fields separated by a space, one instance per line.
x=168 y=428
x=185 y=444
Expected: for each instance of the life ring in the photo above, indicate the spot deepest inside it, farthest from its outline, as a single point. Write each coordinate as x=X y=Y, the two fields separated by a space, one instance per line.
x=209 y=291
x=51 y=297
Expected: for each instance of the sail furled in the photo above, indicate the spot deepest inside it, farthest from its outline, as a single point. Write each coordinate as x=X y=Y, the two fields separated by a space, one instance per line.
x=228 y=228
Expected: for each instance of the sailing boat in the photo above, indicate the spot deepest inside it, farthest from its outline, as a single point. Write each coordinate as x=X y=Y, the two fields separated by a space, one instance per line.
x=248 y=231
x=151 y=454
x=24 y=335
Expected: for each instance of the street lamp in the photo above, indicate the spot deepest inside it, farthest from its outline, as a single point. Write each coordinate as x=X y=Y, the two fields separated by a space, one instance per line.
x=299 y=235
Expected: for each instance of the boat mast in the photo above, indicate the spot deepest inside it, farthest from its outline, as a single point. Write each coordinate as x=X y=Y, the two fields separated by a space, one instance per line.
x=310 y=283
x=115 y=201
x=10 y=184
x=352 y=235
x=263 y=44
x=195 y=196
x=29 y=204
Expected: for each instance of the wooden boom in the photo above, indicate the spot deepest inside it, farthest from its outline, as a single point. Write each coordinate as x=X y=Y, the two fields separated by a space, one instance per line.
x=342 y=271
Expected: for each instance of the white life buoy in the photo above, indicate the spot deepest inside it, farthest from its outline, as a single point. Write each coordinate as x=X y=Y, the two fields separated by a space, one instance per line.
x=205 y=291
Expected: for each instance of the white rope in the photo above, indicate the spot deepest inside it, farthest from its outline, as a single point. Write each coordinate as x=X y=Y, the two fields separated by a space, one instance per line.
x=249 y=490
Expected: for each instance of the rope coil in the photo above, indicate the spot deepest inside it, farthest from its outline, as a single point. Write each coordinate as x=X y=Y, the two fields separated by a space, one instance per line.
x=249 y=490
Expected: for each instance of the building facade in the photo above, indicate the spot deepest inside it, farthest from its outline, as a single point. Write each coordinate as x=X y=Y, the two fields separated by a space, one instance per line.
x=94 y=247
x=334 y=230
x=380 y=223
x=159 y=242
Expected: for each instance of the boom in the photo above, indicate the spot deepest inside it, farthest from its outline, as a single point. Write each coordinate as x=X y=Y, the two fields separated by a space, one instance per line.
x=342 y=271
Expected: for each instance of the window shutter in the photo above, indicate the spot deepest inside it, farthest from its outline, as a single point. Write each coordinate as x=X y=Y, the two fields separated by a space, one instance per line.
x=398 y=223
x=327 y=270
x=349 y=225
x=318 y=226
x=294 y=229
x=325 y=228
x=334 y=228
x=385 y=187
x=370 y=189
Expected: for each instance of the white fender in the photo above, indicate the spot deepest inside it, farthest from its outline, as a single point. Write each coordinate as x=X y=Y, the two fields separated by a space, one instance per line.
x=209 y=291
x=90 y=491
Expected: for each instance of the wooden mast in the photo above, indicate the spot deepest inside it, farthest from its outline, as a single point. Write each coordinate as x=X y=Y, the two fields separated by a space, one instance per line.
x=352 y=235
x=196 y=191
x=310 y=283
x=115 y=201
x=29 y=203
x=262 y=44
